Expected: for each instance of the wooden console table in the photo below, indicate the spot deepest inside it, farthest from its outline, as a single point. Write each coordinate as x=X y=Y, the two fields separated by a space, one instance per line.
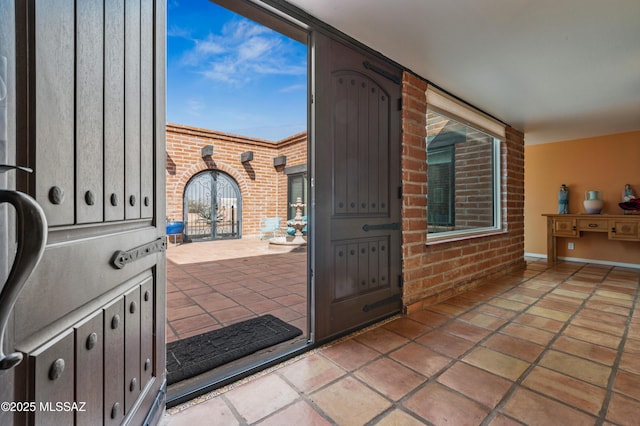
x=617 y=227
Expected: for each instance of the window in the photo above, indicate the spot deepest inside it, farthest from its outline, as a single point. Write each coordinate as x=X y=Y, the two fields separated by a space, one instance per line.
x=297 y=188
x=463 y=175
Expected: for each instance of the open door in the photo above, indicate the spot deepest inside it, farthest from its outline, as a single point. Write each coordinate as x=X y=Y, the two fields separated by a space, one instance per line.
x=357 y=188
x=89 y=107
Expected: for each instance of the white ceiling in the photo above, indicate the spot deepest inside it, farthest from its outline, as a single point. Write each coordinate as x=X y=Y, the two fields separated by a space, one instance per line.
x=555 y=69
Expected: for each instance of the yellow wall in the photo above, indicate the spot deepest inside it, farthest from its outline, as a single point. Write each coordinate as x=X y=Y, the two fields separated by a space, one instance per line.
x=603 y=163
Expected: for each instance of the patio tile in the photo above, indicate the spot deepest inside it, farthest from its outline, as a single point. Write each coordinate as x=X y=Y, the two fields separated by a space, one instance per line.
x=420 y=359
x=482 y=320
x=407 y=328
x=475 y=383
x=377 y=374
x=184 y=312
x=628 y=384
x=289 y=300
x=466 y=331
x=439 y=405
x=592 y=336
x=540 y=322
x=196 y=322
x=606 y=307
x=262 y=306
x=530 y=334
x=574 y=392
x=299 y=413
x=250 y=401
x=381 y=339
x=349 y=402
x=349 y=354
x=542 y=310
x=215 y=302
x=202 y=413
x=495 y=311
x=623 y=410
x=431 y=319
x=579 y=368
x=497 y=363
x=232 y=315
x=311 y=373
x=446 y=344
x=399 y=418
x=178 y=300
x=533 y=409
x=585 y=350
x=508 y=304
x=518 y=348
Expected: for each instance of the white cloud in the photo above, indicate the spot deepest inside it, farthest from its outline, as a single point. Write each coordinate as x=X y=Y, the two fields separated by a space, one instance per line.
x=293 y=88
x=242 y=52
x=194 y=107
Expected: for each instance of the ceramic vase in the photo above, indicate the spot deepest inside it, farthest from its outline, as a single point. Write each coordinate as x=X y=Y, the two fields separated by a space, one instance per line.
x=593 y=202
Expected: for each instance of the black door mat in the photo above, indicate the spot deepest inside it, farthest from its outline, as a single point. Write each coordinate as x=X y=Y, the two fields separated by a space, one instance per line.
x=194 y=355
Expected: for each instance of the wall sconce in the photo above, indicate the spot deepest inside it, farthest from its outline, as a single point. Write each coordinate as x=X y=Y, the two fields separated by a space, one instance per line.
x=206 y=151
x=245 y=157
x=279 y=161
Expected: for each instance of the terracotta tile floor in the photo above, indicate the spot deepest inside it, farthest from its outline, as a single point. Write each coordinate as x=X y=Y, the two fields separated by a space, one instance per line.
x=217 y=283
x=546 y=346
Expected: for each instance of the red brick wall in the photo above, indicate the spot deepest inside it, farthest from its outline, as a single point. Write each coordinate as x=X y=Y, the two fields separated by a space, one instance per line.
x=436 y=272
x=263 y=187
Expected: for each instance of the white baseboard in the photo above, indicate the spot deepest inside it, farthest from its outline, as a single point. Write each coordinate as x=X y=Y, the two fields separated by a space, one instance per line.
x=581 y=260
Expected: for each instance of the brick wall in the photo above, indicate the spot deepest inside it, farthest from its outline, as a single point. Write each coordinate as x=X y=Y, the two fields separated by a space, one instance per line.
x=436 y=272
x=263 y=187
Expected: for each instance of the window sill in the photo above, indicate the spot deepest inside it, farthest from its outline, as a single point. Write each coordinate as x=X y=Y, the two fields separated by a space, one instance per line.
x=432 y=241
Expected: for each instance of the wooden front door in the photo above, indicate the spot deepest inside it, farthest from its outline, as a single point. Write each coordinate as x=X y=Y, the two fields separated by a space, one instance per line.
x=89 y=120
x=357 y=188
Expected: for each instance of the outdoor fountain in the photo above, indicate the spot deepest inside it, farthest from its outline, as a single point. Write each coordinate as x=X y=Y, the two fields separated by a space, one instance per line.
x=298 y=224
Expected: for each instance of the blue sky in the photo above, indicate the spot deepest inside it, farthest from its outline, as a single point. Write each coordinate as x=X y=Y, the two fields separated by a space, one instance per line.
x=227 y=73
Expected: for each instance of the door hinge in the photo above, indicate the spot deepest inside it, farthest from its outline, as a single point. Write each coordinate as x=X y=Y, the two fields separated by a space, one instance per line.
x=400 y=281
x=121 y=258
x=400 y=192
x=400 y=104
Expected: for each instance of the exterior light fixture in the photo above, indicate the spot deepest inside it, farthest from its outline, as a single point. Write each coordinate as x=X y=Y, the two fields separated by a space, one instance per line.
x=279 y=161
x=206 y=151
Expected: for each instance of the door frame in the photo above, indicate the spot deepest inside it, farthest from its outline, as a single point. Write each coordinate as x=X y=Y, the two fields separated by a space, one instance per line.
x=298 y=25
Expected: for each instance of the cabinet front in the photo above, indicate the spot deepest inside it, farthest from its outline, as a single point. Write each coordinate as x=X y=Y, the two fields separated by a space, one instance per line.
x=564 y=227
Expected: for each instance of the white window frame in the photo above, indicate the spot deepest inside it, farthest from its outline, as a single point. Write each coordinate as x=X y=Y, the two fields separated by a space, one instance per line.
x=446 y=105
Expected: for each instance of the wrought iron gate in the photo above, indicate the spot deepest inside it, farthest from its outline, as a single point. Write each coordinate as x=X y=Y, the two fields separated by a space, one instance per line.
x=212 y=207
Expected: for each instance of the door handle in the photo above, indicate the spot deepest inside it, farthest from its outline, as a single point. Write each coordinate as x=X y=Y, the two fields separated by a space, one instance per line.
x=31 y=232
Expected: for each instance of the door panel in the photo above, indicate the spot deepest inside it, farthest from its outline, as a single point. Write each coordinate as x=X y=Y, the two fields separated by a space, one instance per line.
x=114 y=362
x=89 y=338
x=95 y=138
x=89 y=117
x=54 y=111
x=146 y=114
x=132 y=108
x=357 y=170
x=114 y=110
x=132 y=347
x=52 y=382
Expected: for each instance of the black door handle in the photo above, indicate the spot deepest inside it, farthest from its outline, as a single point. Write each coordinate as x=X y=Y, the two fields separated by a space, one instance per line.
x=31 y=233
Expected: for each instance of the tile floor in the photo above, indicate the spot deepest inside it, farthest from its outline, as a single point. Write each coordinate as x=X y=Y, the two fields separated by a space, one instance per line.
x=217 y=283
x=545 y=346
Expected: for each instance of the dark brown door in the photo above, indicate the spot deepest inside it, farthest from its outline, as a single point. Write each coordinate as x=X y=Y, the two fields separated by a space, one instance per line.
x=89 y=108
x=357 y=273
